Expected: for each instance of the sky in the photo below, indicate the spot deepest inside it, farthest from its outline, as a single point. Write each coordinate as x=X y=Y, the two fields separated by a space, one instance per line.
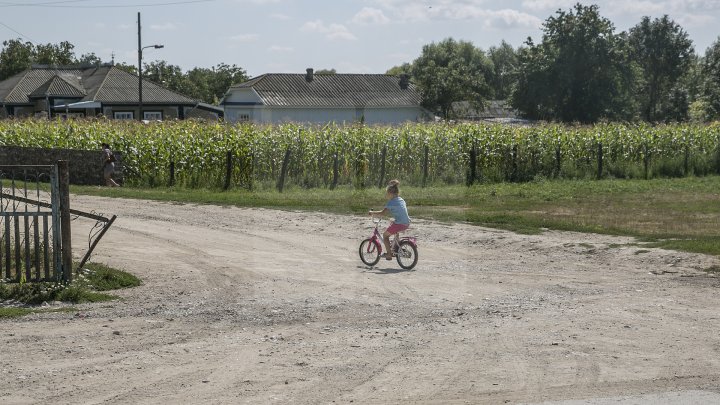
x=288 y=36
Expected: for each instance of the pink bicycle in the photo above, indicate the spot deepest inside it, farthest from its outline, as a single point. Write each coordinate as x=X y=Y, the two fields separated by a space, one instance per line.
x=404 y=249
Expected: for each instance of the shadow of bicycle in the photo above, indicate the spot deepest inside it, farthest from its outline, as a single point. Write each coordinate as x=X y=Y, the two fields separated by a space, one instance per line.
x=382 y=270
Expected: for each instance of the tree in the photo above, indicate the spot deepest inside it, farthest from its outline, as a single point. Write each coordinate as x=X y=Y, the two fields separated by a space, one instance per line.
x=167 y=75
x=404 y=69
x=663 y=51
x=222 y=78
x=505 y=61
x=326 y=72
x=204 y=84
x=579 y=73
x=710 y=93
x=15 y=57
x=451 y=71
x=90 y=59
x=55 y=54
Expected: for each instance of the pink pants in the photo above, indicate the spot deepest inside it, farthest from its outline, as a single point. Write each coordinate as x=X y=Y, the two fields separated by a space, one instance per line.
x=395 y=228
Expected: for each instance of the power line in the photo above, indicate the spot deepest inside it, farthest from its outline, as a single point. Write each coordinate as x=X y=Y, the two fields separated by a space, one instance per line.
x=58 y=4
x=16 y=31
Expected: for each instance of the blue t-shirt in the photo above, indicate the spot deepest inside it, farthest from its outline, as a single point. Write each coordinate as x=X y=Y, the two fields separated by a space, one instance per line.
x=398 y=209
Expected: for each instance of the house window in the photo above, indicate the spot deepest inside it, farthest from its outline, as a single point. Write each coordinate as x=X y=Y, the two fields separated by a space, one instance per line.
x=152 y=115
x=244 y=118
x=124 y=115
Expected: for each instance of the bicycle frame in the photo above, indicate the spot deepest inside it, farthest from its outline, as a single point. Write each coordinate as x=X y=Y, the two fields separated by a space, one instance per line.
x=394 y=244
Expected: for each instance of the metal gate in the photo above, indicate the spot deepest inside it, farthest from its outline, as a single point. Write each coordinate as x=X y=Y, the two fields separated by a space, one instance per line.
x=30 y=229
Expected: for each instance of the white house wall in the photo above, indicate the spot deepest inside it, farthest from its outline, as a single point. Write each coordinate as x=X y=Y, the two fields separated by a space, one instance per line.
x=275 y=115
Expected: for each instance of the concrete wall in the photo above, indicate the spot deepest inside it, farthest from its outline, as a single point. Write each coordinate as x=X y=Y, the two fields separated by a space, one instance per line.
x=86 y=166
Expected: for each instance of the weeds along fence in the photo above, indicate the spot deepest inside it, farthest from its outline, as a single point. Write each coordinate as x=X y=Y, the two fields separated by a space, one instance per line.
x=218 y=155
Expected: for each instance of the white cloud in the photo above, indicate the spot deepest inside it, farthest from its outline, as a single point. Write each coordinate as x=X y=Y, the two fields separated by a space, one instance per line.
x=511 y=19
x=550 y=5
x=481 y=10
x=646 y=7
x=168 y=26
x=244 y=37
x=278 y=48
x=332 y=31
x=281 y=17
x=370 y=16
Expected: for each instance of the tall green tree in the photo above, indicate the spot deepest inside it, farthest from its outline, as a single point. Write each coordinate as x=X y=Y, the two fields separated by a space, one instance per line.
x=55 y=54
x=223 y=76
x=450 y=71
x=204 y=84
x=15 y=57
x=89 y=59
x=710 y=87
x=578 y=73
x=167 y=75
x=504 y=74
x=663 y=51
x=404 y=69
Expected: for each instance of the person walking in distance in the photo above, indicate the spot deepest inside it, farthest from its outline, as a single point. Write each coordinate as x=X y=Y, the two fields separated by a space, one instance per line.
x=108 y=165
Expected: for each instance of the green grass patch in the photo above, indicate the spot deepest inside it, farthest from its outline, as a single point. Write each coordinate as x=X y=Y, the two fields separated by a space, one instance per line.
x=681 y=214
x=14 y=312
x=88 y=287
x=100 y=277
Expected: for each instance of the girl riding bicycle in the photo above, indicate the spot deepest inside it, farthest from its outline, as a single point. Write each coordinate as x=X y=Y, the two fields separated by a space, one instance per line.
x=397 y=208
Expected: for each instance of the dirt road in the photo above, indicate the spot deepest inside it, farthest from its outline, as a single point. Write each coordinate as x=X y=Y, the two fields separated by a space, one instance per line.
x=262 y=306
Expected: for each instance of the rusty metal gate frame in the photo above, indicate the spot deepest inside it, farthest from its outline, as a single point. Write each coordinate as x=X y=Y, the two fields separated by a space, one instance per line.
x=60 y=214
x=14 y=206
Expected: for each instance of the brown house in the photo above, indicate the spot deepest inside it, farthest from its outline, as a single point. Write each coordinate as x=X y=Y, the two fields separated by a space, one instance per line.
x=89 y=91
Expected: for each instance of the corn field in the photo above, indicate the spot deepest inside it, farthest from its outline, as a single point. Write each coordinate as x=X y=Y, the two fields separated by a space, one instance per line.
x=198 y=154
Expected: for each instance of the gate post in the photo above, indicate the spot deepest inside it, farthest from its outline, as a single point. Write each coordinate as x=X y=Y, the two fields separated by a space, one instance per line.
x=64 y=191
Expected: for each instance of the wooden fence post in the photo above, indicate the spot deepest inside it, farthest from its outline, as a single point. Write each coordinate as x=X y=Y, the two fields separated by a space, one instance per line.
x=472 y=170
x=558 y=162
x=65 y=230
x=381 y=181
x=171 y=182
x=228 y=170
x=425 y=165
x=336 y=170
x=283 y=170
x=514 y=176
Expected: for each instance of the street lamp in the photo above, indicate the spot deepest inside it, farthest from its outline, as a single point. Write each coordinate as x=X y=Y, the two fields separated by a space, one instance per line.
x=140 y=51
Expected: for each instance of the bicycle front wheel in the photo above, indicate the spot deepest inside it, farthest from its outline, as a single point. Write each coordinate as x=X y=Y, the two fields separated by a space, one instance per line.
x=369 y=252
x=407 y=255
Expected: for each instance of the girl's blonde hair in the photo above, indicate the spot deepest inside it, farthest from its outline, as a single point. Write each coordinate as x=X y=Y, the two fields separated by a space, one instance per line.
x=393 y=187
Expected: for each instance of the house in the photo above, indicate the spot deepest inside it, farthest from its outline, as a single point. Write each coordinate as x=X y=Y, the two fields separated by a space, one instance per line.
x=323 y=98
x=90 y=90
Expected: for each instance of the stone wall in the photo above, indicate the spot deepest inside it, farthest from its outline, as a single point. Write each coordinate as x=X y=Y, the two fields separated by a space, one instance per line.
x=86 y=166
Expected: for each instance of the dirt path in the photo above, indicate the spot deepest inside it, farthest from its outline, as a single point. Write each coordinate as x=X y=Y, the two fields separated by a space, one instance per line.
x=262 y=306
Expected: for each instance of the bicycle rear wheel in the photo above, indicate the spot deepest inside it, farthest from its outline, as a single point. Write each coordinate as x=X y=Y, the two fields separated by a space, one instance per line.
x=369 y=252
x=407 y=255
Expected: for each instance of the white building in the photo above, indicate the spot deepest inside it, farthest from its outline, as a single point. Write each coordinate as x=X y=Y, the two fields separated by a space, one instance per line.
x=323 y=98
